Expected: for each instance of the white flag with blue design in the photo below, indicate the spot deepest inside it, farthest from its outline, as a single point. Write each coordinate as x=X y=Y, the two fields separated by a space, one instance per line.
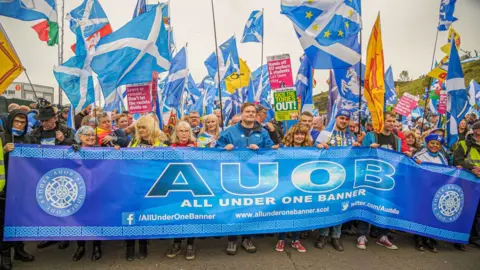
x=177 y=79
x=447 y=8
x=474 y=93
x=253 y=31
x=228 y=59
x=457 y=96
x=131 y=54
x=89 y=17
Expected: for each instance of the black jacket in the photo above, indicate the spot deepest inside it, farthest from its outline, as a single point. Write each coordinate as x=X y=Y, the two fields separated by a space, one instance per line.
x=122 y=138
x=67 y=133
x=6 y=135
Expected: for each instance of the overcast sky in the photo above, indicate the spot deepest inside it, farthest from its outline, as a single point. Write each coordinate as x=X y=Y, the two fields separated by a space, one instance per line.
x=408 y=28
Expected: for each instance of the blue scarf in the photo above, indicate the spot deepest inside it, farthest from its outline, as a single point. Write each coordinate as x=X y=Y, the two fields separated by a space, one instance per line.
x=18 y=132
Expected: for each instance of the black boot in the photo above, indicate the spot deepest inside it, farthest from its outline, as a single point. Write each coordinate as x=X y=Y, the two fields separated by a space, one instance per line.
x=79 y=253
x=130 y=250
x=142 y=249
x=97 y=253
x=321 y=242
x=6 y=261
x=21 y=255
x=45 y=244
x=63 y=244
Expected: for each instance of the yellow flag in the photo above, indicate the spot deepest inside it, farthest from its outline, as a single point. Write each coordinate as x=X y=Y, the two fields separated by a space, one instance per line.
x=10 y=66
x=440 y=71
x=236 y=81
x=456 y=37
x=375 y=78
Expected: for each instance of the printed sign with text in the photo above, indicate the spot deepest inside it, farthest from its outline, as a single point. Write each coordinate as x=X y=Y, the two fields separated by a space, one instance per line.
x=280 y=71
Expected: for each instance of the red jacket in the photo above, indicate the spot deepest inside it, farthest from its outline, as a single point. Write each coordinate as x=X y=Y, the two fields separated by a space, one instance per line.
x=404 y=142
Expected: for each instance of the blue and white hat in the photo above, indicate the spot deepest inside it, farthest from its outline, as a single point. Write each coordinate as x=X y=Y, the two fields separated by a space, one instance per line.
x=343 y=112
x=435 y=137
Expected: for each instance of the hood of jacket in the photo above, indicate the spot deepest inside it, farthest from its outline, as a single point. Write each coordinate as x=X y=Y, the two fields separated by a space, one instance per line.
x=11 y=116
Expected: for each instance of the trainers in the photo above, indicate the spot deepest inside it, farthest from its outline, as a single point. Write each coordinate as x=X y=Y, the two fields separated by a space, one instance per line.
x=280 y=246
x=298 y=246
x=190 y=254
x=174 y=251
x=383 y=241
x=231 y=248
x=362 y=242
x=248 y=246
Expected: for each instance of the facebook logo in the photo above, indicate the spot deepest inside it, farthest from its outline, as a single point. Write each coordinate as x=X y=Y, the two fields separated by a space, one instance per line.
x=128 y=218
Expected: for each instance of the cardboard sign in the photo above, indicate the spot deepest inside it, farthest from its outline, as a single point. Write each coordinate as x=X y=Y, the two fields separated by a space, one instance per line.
x=442 y=102
x=406 y=104
x=139 y=98
x=280 y=71
x=285 y=104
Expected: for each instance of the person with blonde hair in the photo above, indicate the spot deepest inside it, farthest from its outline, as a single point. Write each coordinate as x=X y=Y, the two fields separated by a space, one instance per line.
x=413 y=142
x=148 y=133
x=209 y=132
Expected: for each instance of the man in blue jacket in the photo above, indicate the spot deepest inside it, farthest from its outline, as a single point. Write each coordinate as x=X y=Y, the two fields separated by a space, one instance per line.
x=387 y=140
x=247 y=133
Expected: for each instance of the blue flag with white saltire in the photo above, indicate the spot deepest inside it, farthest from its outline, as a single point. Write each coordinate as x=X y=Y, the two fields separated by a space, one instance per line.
x=208 y=85
x=177 y=80
x=457 y=100
x=71 y=118
x=75 y=77
x=261 y=83
x=304 y=84
x=131 y=54
x=89 y=17
x=253 y=31
x=447 y=8
x=228 y=59
x=114 y=101
x=390 y=92
x=140 y=8
x=474 y=93
x=29 y=10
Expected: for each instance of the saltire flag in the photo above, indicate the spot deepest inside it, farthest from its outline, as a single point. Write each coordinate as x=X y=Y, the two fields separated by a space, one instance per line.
x=375 y=77
x=209 y=87
x=253 y=31
x=474 y=93
x=228 y=60
x=452 y=34
x=140 y=8
x=177 y=80
x=194 y=97
x=304 y=84
x=71 y=118
x=447 y=8
x=131 y=54
x=32 y=10
x=114 y=101
x=10 y=65
x=238 y=80
x=457 y=99
x=390 y=92
x=261 y=83
x=327 y=31
x=90 y=18
x=75 y=77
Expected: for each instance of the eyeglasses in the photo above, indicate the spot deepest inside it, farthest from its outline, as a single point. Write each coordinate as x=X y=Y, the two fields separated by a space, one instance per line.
x=18 y=122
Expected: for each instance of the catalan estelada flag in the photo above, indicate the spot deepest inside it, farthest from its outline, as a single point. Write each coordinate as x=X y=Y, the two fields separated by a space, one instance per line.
x=10 y=66
x=375 y=77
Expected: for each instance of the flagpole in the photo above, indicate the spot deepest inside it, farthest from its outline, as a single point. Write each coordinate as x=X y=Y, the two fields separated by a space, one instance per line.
x=60 y=43
x=261 y=62
x=218 y=65
x=360 y=86
x=186 y=81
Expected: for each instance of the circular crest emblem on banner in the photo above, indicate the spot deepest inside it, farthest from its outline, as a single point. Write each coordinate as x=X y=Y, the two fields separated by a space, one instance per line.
x=61 y=192
x=448 y=203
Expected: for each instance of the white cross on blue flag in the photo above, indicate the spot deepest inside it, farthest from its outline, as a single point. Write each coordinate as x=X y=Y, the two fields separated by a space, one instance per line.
x=253 y=31
x=447 y=8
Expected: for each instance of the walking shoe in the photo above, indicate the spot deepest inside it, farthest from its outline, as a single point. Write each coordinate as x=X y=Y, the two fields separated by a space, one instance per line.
x=321 y=242
x=79 y=253
x=362 y=242
x=190 y=253
x=383 y=241
x=174 y=251
x=21 y=255
x=96 y=253
x=280 y=246
x=298 y=246
x=304 y=235
x=460 y=247
x=6 y=260
x=337 y=244
x=431 y=245
x=63 y=244
x=142 y=249
x=419 y=244
x=231 y=248
x=45 y=244
x=248 y=246
x=130 y=253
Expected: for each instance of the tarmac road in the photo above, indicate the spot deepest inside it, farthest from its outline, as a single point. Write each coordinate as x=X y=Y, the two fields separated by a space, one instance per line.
x=211 y=256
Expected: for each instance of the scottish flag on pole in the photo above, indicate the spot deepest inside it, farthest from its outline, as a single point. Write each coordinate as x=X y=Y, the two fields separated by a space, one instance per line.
x=304 y=84
x=474 y=93
x=457 y=102
x=29 y=10
x=261 y=83
x=447 y=8
x=131 y=54
x=228 y=59
x=177 y=79
x=253 y=31
x=114 y=101
x=390 y=92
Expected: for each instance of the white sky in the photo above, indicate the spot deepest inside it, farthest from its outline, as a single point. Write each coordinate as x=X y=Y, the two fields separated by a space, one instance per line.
x=408 y=28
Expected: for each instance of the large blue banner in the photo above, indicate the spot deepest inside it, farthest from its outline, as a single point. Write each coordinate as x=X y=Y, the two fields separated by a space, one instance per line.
x=99 y=193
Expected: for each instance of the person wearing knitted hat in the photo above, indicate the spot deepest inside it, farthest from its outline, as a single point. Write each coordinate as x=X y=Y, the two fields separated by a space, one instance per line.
x=432 y=153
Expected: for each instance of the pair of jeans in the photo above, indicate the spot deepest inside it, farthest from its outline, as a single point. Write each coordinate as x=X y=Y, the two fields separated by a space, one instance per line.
x=336 y=231
x=295 y=236
x=363 y=229
x=234 y=238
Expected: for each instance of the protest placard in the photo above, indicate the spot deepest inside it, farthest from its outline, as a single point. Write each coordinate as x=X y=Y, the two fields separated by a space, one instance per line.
x=406 y=104
x=139 y=98
x=285 y=103
x=280 y=71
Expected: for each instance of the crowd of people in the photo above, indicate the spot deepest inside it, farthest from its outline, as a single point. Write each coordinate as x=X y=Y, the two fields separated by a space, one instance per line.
x=422 y=141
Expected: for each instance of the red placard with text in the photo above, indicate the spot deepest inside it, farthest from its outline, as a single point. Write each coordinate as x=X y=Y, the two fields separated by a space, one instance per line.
x=280 y=71
x=139 y=98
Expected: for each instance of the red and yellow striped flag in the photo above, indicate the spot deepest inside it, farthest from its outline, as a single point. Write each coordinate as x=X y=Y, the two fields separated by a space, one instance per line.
x=375 y=78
